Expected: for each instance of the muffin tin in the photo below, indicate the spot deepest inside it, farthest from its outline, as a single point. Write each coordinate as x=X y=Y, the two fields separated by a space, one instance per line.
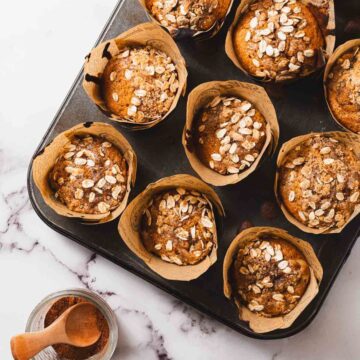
x=300 y=107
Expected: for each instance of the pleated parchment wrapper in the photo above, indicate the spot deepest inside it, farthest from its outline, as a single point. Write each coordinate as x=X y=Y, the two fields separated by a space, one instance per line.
x=201 y=96
x=45 y=160
x=324 y=12
x=130 y=227
x=351 y=139
x=257 y=323
x=145 y=34
x=187 y=32
x=331 y=62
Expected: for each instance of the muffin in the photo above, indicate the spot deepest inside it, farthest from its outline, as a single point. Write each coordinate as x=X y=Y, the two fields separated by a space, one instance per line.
x=139 y=84
x=86 y=172
x=137 y=77
x=318 y=181
x=89 y=176
x=230 y=134
x=278 y=40
x=178 y=226
x=230 y=126
x=196 y=15
x=171 y=226
x=343 y=89
x=271 y=275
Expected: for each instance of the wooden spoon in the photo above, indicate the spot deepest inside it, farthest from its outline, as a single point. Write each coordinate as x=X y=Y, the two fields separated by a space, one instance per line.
x=76 y=326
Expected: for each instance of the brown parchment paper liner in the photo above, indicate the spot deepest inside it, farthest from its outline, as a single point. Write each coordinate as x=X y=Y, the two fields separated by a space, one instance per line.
x=332 y=60
x=257 y=323
x=145 y=34
x=130 y=225
x=45 y=160
x=324 y=12
x=350 y=139
x=202 y=95
x=186 y=32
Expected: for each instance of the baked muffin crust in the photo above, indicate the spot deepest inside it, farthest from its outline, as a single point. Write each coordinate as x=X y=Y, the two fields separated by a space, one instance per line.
x=89 y=176
x=229 y=135
x=198 y=15
x=179 y=226
x=343 y=89
x=140 y=84
x=270 y=276
x=278 y=39
x=319 y=182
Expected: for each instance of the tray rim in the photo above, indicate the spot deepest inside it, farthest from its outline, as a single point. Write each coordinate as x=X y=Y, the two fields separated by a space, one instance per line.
x=291 y=331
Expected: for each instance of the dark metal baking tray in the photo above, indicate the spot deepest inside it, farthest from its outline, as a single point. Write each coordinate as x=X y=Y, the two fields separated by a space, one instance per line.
x=301 y=108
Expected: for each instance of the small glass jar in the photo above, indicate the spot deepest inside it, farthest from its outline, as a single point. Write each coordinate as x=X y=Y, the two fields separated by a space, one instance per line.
x=37 y=317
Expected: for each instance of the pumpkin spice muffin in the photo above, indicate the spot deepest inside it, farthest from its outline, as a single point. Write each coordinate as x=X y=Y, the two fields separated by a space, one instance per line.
x=319 y=182
x=89 y=176
x=198 y=15
x=140 y=84
x=278 y=40
x=229 y=134
x=179 y=226
x=343 y=89
x=269 y=276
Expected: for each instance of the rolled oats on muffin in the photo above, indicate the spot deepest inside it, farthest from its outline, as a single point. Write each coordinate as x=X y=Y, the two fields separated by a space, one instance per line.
x=271 y=276
x=179 y=226
x=342 y=85
x=229 y=127
x=318 y=181
x=171 y=226
x=86 y=172
x=277 y=40
x=230 y=134
x=194 y=15
x=89 y=176
x=139 y=84
x=136 y=78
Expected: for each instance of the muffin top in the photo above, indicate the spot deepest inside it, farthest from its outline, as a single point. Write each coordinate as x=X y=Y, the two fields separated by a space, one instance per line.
x=319 y=182
x=278 y=39
x=229 y=134
x=198 y=15
x=139 y=84
x=270 y=276
x=343 y=89
x=179 y=226
x=89 y=176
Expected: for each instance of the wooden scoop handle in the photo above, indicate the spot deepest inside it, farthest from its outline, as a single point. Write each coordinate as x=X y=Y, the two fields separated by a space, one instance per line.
x=26 y=346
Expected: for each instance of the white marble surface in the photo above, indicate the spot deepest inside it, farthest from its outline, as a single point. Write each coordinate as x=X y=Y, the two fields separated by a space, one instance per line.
x=42 y=48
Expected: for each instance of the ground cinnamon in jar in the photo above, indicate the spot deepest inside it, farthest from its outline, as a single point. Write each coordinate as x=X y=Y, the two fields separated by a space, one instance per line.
x=70 y=352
